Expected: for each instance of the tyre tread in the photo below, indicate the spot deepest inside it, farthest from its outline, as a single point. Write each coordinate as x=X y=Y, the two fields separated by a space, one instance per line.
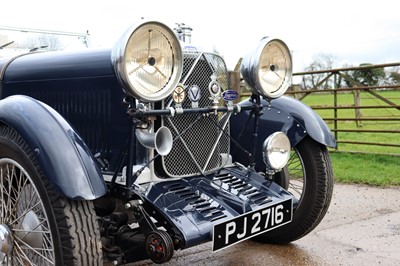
x=68 y=216
x=317 y=203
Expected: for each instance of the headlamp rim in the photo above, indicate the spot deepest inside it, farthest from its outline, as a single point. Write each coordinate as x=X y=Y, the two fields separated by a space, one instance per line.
x=251 y=64
x=118 y=59
x=266 y=148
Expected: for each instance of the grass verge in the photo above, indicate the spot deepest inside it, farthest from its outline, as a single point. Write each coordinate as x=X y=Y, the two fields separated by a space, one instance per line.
x=369 y=169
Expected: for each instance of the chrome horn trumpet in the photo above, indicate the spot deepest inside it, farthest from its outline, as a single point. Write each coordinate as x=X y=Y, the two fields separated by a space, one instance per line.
x=161 y=140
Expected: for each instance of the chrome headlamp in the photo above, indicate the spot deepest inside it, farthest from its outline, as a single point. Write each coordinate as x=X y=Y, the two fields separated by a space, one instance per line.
x=148 y=61
x=268 y=68
x=276 y=150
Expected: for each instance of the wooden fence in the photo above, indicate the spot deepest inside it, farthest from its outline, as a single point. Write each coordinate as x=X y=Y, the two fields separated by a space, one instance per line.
x=358 y=127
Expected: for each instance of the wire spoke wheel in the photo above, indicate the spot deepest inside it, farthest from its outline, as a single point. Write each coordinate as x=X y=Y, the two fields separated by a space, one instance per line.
x=297 y=175
x=309 y=178
x=29 y=241
x=37 y=225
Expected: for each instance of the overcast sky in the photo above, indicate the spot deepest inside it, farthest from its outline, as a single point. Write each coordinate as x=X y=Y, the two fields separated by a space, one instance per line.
x=352 y=31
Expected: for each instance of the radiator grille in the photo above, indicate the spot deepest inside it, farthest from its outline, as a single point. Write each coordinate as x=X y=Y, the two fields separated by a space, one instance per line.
x=199 y=145
x=87 y=109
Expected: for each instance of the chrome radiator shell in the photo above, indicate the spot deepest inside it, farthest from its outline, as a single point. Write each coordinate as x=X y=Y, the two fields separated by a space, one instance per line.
x=200 y=145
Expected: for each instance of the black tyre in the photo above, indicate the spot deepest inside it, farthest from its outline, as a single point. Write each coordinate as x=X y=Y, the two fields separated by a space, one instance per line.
x=311 y=183
x=37 y=226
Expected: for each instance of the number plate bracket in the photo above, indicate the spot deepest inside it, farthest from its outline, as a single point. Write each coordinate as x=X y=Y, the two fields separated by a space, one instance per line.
x=250 y=224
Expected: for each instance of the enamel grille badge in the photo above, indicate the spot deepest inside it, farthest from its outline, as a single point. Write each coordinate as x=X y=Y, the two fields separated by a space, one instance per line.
x=229 y=96
x=215 y=90
x=194 y=95
x=178 y=95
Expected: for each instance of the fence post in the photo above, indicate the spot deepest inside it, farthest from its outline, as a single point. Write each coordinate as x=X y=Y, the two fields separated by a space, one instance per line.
x=335 y=123
x=357 y=103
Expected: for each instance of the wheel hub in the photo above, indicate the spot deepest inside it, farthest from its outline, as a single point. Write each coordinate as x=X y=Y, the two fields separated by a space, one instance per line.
x=6 y=239
x=30 y=230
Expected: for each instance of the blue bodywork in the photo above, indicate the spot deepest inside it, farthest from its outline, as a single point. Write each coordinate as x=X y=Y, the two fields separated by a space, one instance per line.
x=195 y=204
x=79 y=114
x=63 y=156
x=82 y=87
x=284 y=114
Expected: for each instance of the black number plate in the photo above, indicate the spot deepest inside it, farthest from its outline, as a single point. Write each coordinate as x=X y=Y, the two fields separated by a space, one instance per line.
x=251 y=224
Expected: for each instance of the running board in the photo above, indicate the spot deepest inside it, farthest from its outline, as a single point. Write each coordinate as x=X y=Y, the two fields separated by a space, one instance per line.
x=194 y=205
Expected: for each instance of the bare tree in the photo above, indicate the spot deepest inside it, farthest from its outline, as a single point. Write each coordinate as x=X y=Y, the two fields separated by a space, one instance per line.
x=393 y=76
x=5 y=41
x=44 y=41
x=319 y=81
x=366 y=77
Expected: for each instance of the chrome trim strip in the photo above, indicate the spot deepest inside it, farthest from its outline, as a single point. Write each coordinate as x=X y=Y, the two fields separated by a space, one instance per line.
x=186 y=147
x=192 y=68
x=217 y=141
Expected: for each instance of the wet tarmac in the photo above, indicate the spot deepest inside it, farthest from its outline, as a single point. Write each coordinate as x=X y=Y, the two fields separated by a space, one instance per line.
x=362 y=227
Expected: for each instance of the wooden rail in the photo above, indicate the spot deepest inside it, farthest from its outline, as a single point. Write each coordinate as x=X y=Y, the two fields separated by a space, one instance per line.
x=339 y=125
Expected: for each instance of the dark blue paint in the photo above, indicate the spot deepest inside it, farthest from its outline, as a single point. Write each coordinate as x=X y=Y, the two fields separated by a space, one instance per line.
x=307 y=118
x=61 y=153
x=82 y=87
x=283 y=114
x=64 y=65
x=194 y=225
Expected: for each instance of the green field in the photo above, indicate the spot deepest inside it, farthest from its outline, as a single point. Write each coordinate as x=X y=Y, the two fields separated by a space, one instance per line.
x=373 y=169
x=366 y=100
x=364 y=164
x=377 y=170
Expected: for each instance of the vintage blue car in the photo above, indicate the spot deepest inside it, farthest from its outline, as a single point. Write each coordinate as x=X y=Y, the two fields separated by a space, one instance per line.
x=134 y=152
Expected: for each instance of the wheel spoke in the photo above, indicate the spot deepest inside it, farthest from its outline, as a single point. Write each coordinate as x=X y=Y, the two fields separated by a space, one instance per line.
x=296 y=175
x=18 y=197
x=11 y=190
x=8 y=207
x=23 y=187
x=297 y=188
x=24 y=213
x=21 y=256
x=42 y=223
x=2 y=197
x=37 y=251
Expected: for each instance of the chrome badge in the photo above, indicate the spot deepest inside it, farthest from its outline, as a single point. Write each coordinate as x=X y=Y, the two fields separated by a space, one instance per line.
x=229 y=96
x=178 y=95
x=194 y=95
x=215 y=90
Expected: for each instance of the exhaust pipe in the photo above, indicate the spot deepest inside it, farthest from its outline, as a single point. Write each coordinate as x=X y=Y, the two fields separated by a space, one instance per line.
x=161 y=141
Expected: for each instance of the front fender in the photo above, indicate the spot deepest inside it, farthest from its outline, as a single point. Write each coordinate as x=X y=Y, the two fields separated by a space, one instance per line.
x=284 y=114
x=63 y=156
x=307 y=118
